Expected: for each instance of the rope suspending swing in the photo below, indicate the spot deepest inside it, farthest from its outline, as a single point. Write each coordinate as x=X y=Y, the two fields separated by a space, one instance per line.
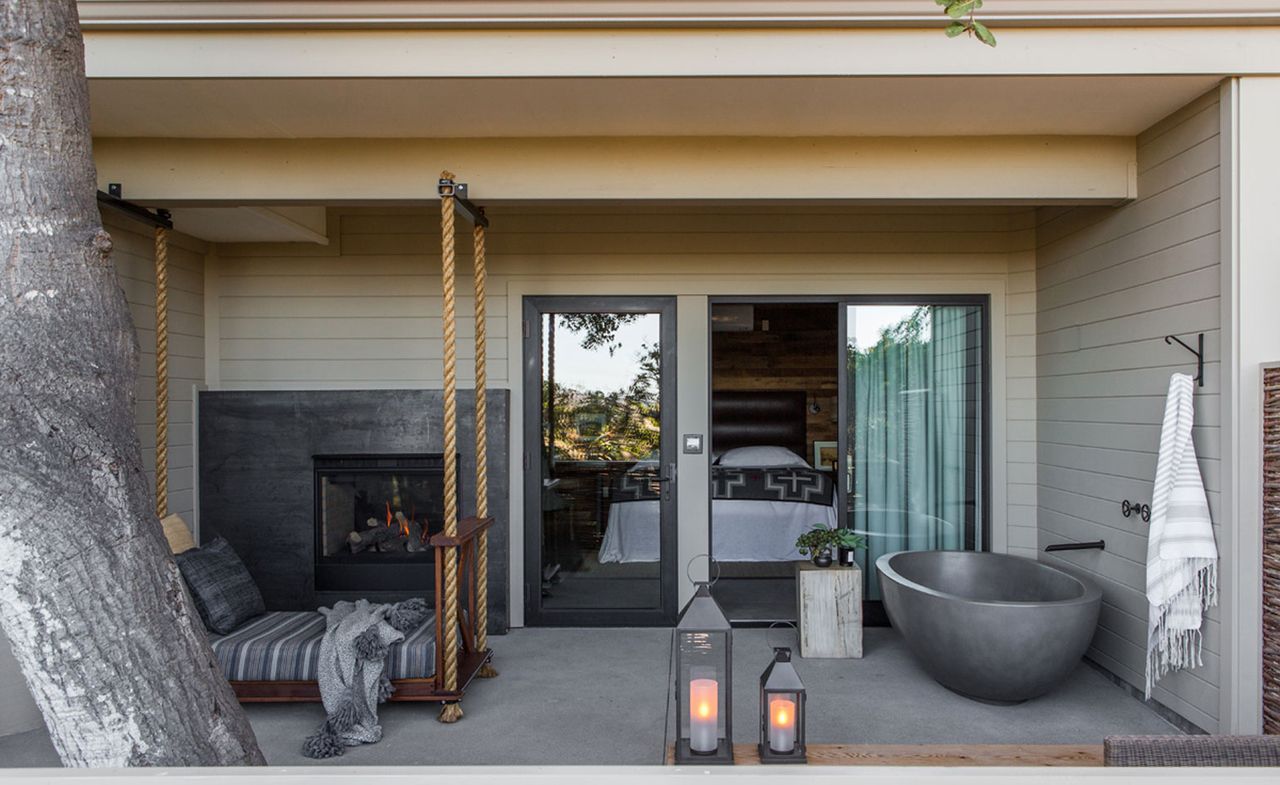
x=452 y=200
x=162 y=222
x=162 y=371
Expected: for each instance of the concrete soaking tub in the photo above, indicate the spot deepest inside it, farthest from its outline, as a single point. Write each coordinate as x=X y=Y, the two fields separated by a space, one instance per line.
x=987 y=625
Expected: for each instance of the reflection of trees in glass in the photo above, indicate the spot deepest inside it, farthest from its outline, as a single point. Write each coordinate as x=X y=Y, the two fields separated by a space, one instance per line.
x=914 y=329
x=895 y=347
x=597 y=330
x=598 y=425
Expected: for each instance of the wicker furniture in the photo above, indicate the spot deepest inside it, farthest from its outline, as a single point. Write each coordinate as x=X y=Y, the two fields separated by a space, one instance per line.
x=1191 y=751
x=1271 y=550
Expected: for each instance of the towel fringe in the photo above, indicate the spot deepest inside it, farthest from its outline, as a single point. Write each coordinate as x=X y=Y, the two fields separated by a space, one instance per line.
x=1176 y=648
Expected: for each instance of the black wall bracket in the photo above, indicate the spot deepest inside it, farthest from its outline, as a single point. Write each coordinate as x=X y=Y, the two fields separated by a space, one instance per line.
x=1199 y=353
x=471 y=211
x=114 y=200
x=1100 y=545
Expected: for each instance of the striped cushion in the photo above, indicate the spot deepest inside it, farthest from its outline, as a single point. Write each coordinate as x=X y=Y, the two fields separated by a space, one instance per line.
x=285 y=646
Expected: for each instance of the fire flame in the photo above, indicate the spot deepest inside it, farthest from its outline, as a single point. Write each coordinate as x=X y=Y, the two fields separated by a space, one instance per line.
x=397 y=518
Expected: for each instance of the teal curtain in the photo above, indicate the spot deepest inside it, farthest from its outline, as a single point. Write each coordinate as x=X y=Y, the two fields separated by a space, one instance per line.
x=915 y=433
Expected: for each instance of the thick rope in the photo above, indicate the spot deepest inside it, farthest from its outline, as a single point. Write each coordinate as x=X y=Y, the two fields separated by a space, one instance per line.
x=162 y=371
x=482 y=451
x=450 y=449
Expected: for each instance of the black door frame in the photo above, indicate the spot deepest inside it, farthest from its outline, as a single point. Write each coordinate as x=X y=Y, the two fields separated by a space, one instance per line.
x=535 y=615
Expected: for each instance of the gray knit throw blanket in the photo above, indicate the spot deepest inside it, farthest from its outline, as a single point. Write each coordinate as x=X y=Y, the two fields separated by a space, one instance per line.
x=352 y=670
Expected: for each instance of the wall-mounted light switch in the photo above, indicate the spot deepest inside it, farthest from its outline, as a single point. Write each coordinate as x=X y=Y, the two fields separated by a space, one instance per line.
x=693 y=444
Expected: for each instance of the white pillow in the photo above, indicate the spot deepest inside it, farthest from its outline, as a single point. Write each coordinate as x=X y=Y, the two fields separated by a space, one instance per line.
x=761 y=456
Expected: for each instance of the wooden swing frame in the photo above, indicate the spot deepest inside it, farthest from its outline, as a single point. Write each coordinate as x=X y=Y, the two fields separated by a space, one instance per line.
x=462 y=550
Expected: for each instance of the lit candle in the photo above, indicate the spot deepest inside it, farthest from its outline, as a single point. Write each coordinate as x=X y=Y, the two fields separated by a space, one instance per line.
x=782 y=725
x=704 y=699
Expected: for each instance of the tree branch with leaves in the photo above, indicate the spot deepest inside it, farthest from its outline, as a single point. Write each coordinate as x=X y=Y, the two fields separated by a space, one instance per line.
x=964 y=20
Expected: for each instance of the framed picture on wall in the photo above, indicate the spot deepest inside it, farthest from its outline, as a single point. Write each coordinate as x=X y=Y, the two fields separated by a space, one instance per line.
x=824 y=455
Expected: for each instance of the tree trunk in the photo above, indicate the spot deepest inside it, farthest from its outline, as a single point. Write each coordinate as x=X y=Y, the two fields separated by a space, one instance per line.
x=90 y=598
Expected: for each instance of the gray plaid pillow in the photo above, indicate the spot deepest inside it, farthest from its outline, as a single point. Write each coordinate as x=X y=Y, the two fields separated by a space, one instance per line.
x=224 y=592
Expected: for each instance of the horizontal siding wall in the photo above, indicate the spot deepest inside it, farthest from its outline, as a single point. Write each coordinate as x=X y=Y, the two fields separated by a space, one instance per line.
x=134 y=256
x=365 y=311
x=1111 y=283
x=1021 y=405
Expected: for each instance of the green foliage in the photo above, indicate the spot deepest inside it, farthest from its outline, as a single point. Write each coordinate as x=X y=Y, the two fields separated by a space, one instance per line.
x=962 y=12
x=597 y=329
x=622 y=425
x=821 y=537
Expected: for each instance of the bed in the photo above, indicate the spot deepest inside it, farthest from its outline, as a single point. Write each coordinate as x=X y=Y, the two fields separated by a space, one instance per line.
x=758 y=507
x=284 y=646
x=274 y=657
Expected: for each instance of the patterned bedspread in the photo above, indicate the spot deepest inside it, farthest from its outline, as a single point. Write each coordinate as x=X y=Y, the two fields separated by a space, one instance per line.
x=285 y=646
x=779 y=484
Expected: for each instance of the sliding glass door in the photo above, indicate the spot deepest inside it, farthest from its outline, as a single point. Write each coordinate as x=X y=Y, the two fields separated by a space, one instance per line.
x=913 y=436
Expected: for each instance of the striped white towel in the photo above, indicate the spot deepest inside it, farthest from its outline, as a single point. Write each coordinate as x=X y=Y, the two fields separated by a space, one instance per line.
x=1182 y=558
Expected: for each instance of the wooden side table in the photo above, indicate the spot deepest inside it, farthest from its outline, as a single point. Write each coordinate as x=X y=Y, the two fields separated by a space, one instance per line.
x=829 y=609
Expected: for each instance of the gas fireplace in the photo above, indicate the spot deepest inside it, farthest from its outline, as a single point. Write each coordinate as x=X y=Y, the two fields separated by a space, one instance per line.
x=374 y=517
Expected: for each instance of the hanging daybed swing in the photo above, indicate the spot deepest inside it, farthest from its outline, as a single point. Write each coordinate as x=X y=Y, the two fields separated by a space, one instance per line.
x=461 y=550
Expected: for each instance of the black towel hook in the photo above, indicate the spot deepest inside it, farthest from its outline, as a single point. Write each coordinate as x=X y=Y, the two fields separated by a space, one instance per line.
x=1199 y=380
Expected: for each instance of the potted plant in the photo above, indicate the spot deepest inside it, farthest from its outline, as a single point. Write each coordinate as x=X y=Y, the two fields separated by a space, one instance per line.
x=820 y=541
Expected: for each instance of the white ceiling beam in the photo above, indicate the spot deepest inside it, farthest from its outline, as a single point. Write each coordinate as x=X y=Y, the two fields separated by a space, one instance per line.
x=1012 y=170
x=649 y=52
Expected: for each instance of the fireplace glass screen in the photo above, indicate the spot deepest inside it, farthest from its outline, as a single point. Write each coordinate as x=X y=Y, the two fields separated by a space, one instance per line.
x=376 y=511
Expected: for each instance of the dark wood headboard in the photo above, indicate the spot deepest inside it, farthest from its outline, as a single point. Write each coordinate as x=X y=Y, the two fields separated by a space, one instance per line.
x=744 y=418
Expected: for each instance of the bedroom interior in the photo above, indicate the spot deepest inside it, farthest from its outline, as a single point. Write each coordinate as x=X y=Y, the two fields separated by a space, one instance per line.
x=775 y=383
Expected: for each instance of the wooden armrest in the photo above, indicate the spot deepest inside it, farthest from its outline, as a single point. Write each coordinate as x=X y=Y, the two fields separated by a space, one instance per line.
x=468 y=529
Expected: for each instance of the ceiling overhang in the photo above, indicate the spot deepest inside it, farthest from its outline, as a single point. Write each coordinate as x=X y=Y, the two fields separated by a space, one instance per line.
x=750 y=106
x=514 y=14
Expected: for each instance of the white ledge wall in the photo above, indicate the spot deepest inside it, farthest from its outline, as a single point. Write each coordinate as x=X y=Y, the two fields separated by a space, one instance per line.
x=1111 y=283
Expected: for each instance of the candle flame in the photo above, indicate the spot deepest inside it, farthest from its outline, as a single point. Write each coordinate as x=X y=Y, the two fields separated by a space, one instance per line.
x=704 y=710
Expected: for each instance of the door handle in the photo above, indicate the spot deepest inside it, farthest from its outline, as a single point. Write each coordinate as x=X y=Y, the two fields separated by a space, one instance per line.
x=667 y=481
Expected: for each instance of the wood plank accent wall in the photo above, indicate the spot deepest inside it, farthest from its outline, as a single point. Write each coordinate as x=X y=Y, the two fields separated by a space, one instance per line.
x=799 y=351
x=133 y=254
x=1271 y=550
x=1111 y=283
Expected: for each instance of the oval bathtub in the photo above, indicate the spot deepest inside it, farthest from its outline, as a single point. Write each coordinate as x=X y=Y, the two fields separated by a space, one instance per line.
x=987 y=625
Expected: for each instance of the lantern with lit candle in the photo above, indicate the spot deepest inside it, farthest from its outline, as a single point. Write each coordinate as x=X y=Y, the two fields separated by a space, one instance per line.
x=781 y=711
x=704 y=687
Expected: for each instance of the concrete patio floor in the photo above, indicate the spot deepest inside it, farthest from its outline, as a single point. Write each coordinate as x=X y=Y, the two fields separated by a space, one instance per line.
x=570 y=696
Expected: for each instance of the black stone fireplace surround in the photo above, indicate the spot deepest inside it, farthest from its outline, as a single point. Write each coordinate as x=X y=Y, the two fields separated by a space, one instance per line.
x=257 y=478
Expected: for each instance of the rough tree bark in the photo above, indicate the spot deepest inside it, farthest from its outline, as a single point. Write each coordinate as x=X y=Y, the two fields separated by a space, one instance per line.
x=89 y=595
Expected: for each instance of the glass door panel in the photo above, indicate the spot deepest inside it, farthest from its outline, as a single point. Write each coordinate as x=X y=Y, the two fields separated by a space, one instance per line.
x=603 y=466
x=914 y=428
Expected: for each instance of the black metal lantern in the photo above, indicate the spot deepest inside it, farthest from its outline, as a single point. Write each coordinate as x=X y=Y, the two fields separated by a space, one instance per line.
x=704 y=683
x=781 y=711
